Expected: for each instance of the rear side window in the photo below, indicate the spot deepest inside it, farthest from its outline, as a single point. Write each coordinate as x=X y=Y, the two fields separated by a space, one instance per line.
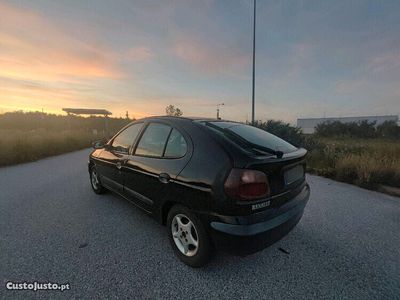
x=176 y=145
x=153 y=140
x=253 y=135
x=125 y=138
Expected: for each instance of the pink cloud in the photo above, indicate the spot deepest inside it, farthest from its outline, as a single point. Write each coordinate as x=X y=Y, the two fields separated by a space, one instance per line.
x=300 y=58
x=209 y=58
x=140 y=53
x=350 y=86
x=385 y=62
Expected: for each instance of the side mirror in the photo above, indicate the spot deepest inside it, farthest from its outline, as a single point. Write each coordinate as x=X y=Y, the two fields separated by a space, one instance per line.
x=98 y=144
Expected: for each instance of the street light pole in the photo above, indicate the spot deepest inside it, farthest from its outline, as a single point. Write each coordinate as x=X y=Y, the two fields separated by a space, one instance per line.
x=254 y=65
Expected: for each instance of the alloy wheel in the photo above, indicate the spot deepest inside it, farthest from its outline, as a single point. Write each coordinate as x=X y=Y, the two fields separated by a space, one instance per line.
x=95 y=180
x=185 y=235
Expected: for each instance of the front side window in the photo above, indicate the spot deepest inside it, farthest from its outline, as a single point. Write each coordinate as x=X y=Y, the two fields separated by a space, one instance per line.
x=176 y=146
x=125 y=139
x=153 y=141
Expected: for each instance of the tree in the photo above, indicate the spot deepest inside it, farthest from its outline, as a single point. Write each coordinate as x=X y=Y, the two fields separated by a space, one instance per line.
x=170 y=110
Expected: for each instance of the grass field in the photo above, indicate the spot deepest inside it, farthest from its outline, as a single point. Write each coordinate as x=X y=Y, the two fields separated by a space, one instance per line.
x=368 y=163
x=31 y=136
x=17 y=146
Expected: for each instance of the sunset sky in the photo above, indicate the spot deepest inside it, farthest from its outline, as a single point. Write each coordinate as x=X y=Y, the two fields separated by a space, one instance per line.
x=314 y=58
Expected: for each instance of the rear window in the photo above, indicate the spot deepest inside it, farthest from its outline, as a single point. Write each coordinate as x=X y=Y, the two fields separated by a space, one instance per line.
x=237 y=131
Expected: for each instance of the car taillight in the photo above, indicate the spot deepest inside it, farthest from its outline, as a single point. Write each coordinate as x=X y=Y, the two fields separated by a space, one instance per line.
x=247 y=184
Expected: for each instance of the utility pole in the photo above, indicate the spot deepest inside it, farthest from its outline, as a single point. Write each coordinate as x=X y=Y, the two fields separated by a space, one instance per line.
x=106 y=126
x=218 y=105
x=254 y=65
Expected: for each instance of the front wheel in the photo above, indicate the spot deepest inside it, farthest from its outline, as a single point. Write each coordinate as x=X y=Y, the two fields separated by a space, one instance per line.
x=95 y=181
x=188 y=237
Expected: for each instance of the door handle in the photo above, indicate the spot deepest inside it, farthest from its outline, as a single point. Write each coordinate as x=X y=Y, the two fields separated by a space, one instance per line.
x=164 y=178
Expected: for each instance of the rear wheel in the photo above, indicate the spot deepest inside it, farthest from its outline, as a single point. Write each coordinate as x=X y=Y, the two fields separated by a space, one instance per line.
x=188 y=237
x=95 y=181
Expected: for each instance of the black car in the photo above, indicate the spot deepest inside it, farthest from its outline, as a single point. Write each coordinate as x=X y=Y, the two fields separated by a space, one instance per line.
x=214 y=183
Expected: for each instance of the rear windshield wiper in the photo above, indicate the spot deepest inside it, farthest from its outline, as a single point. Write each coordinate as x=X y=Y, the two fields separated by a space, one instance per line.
x=243 y=142
x=278 y=153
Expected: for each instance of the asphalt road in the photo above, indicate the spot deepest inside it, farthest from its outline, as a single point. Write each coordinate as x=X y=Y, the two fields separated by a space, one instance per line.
x=54 y=228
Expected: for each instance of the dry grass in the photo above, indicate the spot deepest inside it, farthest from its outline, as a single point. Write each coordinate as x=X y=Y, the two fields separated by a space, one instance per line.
x=364 y=162
x=17 y=146
x=34 y=135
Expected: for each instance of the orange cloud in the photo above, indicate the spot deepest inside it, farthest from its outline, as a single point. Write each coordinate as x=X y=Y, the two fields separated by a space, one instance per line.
x=52 y=100
x=33 y=47
x=46 y=65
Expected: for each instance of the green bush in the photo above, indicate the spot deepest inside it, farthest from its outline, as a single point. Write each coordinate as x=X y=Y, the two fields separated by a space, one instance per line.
x=283 y=130
x=363 y=129
x=389 y=129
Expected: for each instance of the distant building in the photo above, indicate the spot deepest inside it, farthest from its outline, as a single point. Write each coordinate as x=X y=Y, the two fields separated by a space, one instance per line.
x=308 y=125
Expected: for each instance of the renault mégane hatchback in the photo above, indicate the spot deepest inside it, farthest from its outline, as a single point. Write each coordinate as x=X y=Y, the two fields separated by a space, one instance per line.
x=214 y=183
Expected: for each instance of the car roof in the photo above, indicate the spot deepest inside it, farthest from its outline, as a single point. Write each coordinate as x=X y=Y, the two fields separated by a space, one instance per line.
x=186 y=118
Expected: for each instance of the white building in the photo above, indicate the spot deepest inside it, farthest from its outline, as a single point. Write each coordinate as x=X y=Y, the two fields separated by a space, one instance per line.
x=308 y=125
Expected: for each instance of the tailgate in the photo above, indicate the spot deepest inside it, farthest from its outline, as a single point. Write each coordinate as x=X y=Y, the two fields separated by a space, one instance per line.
x=284 y=173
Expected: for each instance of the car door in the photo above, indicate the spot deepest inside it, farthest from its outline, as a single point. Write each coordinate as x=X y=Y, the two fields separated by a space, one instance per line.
x=115 y=154
x=160 y=154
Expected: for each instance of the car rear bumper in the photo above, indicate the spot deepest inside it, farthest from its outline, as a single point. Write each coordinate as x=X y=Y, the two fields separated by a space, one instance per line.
x=248 y=234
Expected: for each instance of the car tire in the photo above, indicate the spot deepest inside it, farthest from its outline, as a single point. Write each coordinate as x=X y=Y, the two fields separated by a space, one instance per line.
x=188 y=237
x=95 y=182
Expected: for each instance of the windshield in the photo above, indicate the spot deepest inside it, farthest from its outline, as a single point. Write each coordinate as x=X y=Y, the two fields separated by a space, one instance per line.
x=248 y=136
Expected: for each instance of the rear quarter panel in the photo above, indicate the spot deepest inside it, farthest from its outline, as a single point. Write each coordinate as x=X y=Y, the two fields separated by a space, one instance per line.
x=199 y=185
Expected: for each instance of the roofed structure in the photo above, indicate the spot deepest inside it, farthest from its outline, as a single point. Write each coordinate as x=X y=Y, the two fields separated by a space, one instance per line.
x=87 y=111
